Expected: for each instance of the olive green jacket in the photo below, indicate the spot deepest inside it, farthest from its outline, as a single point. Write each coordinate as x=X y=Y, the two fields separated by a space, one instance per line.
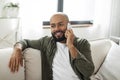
x=82 y=65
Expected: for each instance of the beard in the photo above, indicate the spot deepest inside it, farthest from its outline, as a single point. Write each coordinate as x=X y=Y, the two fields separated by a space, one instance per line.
x=59 y=39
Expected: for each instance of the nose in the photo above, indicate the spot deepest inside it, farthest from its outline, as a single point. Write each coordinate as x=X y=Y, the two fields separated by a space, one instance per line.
x=56 y=28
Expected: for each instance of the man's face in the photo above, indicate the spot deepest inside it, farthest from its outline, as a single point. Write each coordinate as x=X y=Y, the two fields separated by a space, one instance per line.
x=58 y=27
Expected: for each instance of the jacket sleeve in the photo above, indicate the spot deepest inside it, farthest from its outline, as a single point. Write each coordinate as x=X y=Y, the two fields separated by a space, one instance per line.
x=36 y=44
x=83 y=64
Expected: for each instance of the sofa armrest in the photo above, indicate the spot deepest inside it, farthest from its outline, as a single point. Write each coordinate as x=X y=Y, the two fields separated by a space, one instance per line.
x=99 y=50
x=32 y=64
x=5 y=73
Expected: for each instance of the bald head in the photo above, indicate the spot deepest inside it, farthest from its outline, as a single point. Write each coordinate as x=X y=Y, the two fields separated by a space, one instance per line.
x=60 y=16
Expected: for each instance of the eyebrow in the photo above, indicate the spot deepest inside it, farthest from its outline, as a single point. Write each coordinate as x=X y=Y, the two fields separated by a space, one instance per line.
x=57 y=23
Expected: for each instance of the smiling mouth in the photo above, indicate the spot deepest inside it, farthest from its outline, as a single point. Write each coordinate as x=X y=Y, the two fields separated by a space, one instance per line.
x=58 y=36
x=58 y=33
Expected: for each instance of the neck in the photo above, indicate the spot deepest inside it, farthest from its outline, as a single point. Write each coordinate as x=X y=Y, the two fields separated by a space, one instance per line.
x=64 y=41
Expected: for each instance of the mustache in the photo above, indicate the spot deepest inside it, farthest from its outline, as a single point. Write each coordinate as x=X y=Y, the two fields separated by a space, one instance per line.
x=58 y=31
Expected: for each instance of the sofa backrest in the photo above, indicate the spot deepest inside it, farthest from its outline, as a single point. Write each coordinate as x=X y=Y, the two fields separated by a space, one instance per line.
x=99 y=50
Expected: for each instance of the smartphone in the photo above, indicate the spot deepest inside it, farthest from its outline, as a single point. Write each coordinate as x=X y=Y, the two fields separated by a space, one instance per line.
x=69 y=26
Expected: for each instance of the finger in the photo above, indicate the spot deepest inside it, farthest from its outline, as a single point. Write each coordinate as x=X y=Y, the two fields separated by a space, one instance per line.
x=9 y=63
x=21 y=62
x=67 y=31
x=71 y=30
x=13 y=65
x=66 y=34
x=17 y=65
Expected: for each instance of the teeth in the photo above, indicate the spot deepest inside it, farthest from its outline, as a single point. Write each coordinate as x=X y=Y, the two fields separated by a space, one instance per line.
x=58 y=33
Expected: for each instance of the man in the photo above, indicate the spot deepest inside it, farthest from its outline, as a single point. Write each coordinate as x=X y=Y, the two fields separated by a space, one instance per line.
x=64 y=56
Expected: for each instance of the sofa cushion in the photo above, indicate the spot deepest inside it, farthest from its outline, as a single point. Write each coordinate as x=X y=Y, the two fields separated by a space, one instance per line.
x=110 y=70
x=99 y=50
x=32 y=59
x=5 y=73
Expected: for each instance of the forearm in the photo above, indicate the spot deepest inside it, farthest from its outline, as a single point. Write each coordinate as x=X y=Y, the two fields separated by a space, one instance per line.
x=85 y=66
x=73 y=51
x=23 y=44
x=82 y=65
x=75 y=54
x=80 y=56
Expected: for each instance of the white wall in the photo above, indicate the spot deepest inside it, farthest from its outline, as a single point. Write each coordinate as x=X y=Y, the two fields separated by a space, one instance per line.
x=90 y=33
x=8 y=27
x=8 y=35
x=1 y=6
x=115 y=19
x=100 y=28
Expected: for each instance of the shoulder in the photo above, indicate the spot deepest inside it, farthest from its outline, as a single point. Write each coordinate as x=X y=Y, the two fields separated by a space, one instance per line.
x=81 y=42
x=46 y=40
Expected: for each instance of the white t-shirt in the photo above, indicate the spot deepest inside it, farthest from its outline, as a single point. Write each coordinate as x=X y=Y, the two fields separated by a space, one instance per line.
x=62 y=69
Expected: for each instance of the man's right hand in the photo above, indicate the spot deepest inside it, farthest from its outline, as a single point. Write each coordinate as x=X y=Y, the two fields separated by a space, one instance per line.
x=16 y=60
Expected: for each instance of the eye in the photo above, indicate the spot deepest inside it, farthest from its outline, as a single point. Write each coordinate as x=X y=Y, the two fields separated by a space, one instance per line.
x=52 y=26
x=61 y=24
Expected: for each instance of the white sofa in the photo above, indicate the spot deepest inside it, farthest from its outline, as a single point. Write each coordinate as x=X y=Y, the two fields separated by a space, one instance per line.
x=32 y=63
